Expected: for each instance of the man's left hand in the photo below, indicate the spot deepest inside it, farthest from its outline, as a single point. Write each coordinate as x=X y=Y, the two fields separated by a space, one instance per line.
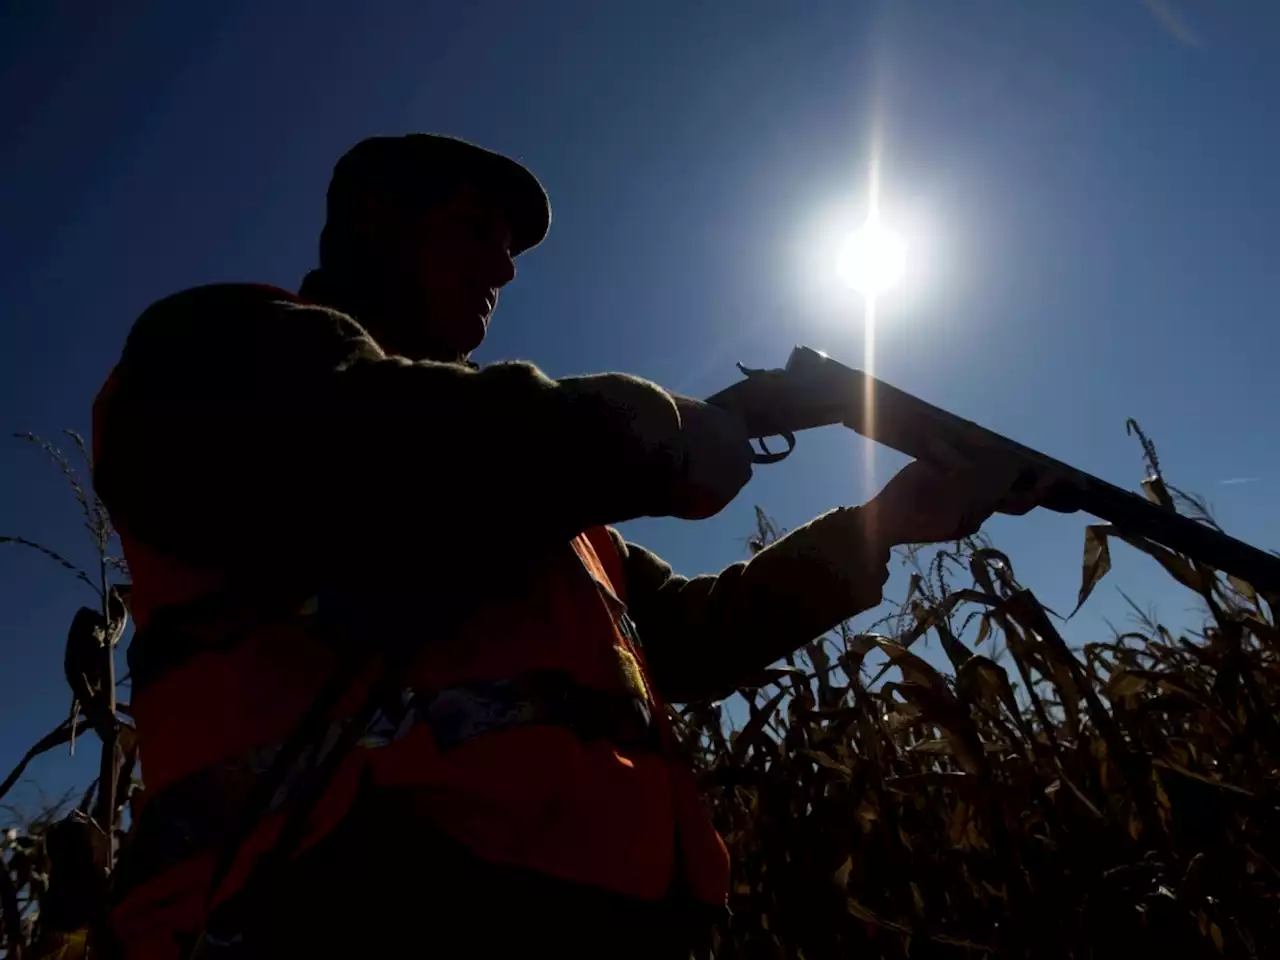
x=949 y=497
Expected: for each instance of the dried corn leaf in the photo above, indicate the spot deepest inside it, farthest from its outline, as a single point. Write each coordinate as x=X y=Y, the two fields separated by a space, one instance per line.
x=1097 y=561
x=830 y=763
x=753 y=733
x=1124 y=683
x=932 y=746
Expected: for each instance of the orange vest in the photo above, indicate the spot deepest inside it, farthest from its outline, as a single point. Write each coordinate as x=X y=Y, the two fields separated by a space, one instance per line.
x=532 y=734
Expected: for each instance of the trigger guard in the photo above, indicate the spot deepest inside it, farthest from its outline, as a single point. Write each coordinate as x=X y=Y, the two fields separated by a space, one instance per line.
x=765 y=456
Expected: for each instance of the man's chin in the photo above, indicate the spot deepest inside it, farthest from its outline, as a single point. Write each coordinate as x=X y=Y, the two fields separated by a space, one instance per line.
x=461 y=338
x=473 y=333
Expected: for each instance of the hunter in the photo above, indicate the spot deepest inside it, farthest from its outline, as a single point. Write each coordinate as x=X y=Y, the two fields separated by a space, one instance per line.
x=333 y=518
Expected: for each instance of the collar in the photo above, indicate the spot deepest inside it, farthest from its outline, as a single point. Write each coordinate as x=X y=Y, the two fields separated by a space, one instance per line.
x=347 y=295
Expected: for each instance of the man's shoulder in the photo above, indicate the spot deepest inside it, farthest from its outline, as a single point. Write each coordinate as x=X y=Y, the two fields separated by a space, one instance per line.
x=212 y=297
x=228 y=312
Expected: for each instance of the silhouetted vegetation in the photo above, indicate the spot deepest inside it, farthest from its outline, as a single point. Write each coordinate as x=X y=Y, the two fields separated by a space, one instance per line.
x=58 y=863
x=1037 y=800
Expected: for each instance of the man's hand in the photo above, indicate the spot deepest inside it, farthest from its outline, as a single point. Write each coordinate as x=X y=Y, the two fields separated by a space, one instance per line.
x=698 y=456
x=713 y=456
x=948 y=498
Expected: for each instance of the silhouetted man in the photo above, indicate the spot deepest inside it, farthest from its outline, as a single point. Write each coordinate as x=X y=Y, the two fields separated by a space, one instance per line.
x=322 y=501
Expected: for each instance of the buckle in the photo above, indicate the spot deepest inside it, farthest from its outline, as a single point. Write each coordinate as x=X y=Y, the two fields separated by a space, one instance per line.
x=459 y=713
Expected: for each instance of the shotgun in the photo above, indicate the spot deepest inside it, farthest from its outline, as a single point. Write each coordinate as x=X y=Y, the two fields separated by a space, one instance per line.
x=813 y=390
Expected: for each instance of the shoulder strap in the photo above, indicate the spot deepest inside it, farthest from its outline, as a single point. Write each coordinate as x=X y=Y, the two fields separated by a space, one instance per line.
x=607 y=559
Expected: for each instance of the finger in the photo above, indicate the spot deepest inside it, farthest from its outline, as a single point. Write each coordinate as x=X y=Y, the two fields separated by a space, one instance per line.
x=947 y=458
x=1033 y=489
x=1065 y=496
x=1053 y=486
x=1018 y=504
x=972 y=520
x=1022 y=493
x=1013 y=475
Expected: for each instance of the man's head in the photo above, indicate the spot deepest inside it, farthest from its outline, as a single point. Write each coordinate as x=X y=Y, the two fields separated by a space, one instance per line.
x=422 y=232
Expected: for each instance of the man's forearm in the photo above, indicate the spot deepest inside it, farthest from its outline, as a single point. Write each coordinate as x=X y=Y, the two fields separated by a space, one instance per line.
x=704 y=636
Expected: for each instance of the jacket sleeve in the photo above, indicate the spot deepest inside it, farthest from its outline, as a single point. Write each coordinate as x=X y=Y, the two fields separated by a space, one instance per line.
x=704 y=636
x=246 y=432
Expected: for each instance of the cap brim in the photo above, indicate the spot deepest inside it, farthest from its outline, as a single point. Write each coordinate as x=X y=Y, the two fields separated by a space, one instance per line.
x=522 y=197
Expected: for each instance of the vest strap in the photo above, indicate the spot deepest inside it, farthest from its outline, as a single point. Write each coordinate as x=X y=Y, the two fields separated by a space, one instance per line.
x=176 y=634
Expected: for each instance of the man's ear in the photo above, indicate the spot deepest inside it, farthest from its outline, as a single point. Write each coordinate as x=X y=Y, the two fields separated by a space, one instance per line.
x=374 y=219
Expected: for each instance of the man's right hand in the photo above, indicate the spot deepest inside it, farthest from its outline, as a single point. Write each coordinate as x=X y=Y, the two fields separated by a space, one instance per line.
x=699 y=455
x=715 y=455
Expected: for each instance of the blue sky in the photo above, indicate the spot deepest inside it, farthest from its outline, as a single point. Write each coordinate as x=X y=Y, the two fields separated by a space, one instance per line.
x=1088 y=189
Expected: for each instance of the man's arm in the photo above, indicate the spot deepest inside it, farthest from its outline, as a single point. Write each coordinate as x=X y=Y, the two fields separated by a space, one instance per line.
x=246 y=432
x=706 y=635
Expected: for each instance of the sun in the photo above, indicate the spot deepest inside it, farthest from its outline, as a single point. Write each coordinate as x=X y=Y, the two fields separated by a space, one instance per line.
x=872 y=260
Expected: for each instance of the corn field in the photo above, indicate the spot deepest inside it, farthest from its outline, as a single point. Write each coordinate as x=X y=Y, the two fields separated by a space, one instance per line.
x=1034 y=800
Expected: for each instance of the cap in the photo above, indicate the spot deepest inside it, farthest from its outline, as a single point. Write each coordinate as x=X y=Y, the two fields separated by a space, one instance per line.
x=424 y=166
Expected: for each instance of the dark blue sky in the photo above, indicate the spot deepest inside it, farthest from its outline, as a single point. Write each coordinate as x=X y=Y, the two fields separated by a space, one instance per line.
x=1089 y=188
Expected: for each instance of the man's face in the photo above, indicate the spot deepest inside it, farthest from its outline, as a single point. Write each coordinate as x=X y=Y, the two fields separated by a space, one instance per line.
x=451 y=262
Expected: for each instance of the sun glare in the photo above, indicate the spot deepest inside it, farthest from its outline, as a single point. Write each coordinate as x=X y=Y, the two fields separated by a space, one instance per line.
x=872 y=260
